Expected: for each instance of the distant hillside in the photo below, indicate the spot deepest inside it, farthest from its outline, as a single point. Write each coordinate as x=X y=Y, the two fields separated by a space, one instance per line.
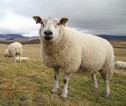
x=32 y=41
x=8 y=36
x=113 y=37
x=13 y=36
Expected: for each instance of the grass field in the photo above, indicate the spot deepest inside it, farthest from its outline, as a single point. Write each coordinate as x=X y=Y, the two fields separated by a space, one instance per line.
x=29 y=83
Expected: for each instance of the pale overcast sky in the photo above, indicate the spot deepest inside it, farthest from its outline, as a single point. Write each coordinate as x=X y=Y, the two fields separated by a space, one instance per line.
x=91 y=16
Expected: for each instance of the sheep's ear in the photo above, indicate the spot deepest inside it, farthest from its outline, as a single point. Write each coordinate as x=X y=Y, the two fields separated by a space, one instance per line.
x=37 y=19
x=63 y=21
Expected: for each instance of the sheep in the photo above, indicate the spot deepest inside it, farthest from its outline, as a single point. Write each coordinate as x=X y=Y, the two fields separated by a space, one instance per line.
x=68 y=49
x=15 y=49
x=22 y=58
x=120 y=65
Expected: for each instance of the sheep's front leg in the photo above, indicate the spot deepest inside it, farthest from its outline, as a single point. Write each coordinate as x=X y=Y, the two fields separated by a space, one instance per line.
x=66 y=80
x=107 y=88
x=19 y=59
x=56 y=83
x=94 y=79
x=14 y=58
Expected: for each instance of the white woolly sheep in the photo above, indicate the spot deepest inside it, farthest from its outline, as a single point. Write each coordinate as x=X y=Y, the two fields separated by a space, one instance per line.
x=22 y=58
x=120 y=65
x=15 y=49
x=66 y=48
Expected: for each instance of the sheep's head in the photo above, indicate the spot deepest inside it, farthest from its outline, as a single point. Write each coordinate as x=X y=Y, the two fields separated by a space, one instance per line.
x=49 y=30
x=6 y=53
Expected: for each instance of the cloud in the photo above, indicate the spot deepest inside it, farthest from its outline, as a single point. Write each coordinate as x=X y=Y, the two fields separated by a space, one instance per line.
x=92 y=16
x=15 y=23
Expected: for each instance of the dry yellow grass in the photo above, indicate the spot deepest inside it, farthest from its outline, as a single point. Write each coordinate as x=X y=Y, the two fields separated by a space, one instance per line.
x=32 y=51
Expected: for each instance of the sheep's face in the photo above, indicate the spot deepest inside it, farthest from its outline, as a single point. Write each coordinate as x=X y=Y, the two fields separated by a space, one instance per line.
x=49 y=30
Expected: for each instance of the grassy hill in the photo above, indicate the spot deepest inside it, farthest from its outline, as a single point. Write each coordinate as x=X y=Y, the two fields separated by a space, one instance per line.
x=29 y=83
x=113 y=37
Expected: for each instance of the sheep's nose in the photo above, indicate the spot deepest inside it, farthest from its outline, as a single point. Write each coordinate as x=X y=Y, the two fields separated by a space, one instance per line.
x=48 y=32
x=48 y=35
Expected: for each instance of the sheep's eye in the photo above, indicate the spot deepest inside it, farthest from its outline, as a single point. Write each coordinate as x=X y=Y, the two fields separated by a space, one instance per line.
x=59 y=24
x=56 y=25
x=42 y=24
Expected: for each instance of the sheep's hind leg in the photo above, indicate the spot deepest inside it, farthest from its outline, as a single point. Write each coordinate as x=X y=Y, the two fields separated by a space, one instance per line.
x=56 y=83
x=94 y=79
x=105 y=75
x=66 y=80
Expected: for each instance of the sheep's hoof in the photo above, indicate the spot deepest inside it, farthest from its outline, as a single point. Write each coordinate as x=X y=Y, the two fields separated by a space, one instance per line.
x=95 y=89
x=107 y=95
x=54 y=90
x=63 y=95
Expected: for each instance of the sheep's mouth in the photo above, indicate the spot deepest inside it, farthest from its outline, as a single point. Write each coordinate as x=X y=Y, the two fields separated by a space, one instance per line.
x=47 y=38
x=17 y=54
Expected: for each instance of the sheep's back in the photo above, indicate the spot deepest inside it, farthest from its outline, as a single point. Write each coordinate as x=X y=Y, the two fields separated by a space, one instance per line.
x=95 y=50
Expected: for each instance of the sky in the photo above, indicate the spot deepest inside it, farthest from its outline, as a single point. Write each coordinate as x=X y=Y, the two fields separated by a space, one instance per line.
x=88 y=16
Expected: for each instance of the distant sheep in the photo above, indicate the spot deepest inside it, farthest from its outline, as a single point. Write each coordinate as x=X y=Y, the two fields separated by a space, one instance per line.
x=13 y=50
x=22 y=58
x=66 y=48
x=120 y=65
